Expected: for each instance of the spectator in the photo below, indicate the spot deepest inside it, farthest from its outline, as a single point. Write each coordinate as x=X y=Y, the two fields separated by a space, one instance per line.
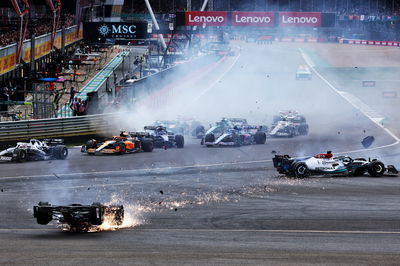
x=74 y=106
x=72 y=95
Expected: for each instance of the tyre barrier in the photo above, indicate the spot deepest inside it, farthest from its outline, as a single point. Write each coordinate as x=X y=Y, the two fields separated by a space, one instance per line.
x=55 y=127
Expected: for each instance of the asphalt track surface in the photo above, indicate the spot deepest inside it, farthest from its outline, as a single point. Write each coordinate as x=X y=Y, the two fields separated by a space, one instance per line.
x=220 y=206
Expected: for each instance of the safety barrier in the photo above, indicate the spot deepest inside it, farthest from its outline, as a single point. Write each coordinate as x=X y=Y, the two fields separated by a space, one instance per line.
x=55 y=128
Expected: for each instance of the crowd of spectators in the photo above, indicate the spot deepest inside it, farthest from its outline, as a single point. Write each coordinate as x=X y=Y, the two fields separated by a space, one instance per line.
x=37 y=26
x=340 y=7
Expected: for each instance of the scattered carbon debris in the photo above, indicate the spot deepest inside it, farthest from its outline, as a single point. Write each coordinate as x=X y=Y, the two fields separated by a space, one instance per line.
x=88 y=188
x=2 y=190
x=273 y=151
x=176 y=209
x=338 y=132
x=161 y=192
x=367 y=141
x=56 y=175
x=364 y=131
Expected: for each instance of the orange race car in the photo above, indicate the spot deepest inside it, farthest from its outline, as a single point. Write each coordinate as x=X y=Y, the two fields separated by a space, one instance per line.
x=124 y=143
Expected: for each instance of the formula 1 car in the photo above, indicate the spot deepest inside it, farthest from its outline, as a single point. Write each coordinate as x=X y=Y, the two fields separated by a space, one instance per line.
x=183 y=126
x=34 y=149
x=234 y=132
x=303 y=72
x=126 y=142
x=326 y=164
x=288 y=124
x=78 y=217
x=163 y=138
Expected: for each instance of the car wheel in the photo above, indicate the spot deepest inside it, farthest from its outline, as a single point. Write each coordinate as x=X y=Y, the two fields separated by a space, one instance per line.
x=260 y=137
x=147 y=145
x=61 y=152
x=301 y=170
x=180 y=141
x=376 y=169
x=121 y=149
x=44 y=215
x=21 y=156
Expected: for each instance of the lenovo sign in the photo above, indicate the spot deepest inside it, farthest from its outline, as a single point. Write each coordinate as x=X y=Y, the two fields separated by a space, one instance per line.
x=198 y=18
x=299 y=19
x=258 y=19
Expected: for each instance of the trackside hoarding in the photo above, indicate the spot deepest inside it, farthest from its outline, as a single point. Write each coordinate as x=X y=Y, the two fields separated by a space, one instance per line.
x=208 y=18
x=299 y=19
x=257 y=19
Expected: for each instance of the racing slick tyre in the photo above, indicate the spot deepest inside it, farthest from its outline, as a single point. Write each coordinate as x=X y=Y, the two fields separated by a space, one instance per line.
x=60 y=152
x=43 y=213
x=376 y=168
x=22 y=156
x=120 y=148
x=180 y=141
x=96 y=214
x=147 y=145
x=202 y=141
x=300 y=170
x=199 y=131
x=209 y=138
x=260 y=137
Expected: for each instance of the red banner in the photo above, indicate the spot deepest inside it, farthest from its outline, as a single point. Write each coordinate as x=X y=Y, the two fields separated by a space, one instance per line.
x=258 y=19
x=299 y=19
x=212 y=18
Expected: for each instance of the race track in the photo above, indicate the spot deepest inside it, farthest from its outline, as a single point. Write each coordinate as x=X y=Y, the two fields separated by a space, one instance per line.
x=220 y=206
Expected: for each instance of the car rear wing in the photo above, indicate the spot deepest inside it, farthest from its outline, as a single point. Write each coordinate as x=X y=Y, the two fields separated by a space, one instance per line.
x=139 y=134
x=53 y=141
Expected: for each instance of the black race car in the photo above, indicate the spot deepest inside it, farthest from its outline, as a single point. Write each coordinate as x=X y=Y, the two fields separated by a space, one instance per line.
x=34 y=149
x=163 y=138
x=78 y=217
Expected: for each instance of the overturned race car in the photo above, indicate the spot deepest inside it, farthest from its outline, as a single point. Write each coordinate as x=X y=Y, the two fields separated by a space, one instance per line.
x=326 y=164
x=126 y=142
x=33 y=150
x=78 y=217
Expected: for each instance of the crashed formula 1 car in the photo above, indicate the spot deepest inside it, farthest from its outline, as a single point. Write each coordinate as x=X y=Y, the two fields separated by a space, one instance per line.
x=183 y=126
x=163 y=138
x=78 y=217
x=126 y=142
x=288 y=124
x=34 y=149
x=234 y=132
x=326 y=164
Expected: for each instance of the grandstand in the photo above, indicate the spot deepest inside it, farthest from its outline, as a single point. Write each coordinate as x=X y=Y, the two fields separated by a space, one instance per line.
x=56 y=28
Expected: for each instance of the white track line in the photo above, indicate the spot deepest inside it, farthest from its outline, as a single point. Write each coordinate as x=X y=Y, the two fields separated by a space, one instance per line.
x=139 y=169
x=7 y=230
x=310 y=63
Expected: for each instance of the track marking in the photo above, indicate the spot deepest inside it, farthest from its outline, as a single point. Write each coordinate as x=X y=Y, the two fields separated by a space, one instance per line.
x=217 y=80
x=139 y=169
x=343 y=95
x=225 y=230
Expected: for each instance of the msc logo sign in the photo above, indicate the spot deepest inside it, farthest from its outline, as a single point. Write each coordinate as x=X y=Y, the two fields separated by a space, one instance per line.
x=102 y=31
x=117 y=29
